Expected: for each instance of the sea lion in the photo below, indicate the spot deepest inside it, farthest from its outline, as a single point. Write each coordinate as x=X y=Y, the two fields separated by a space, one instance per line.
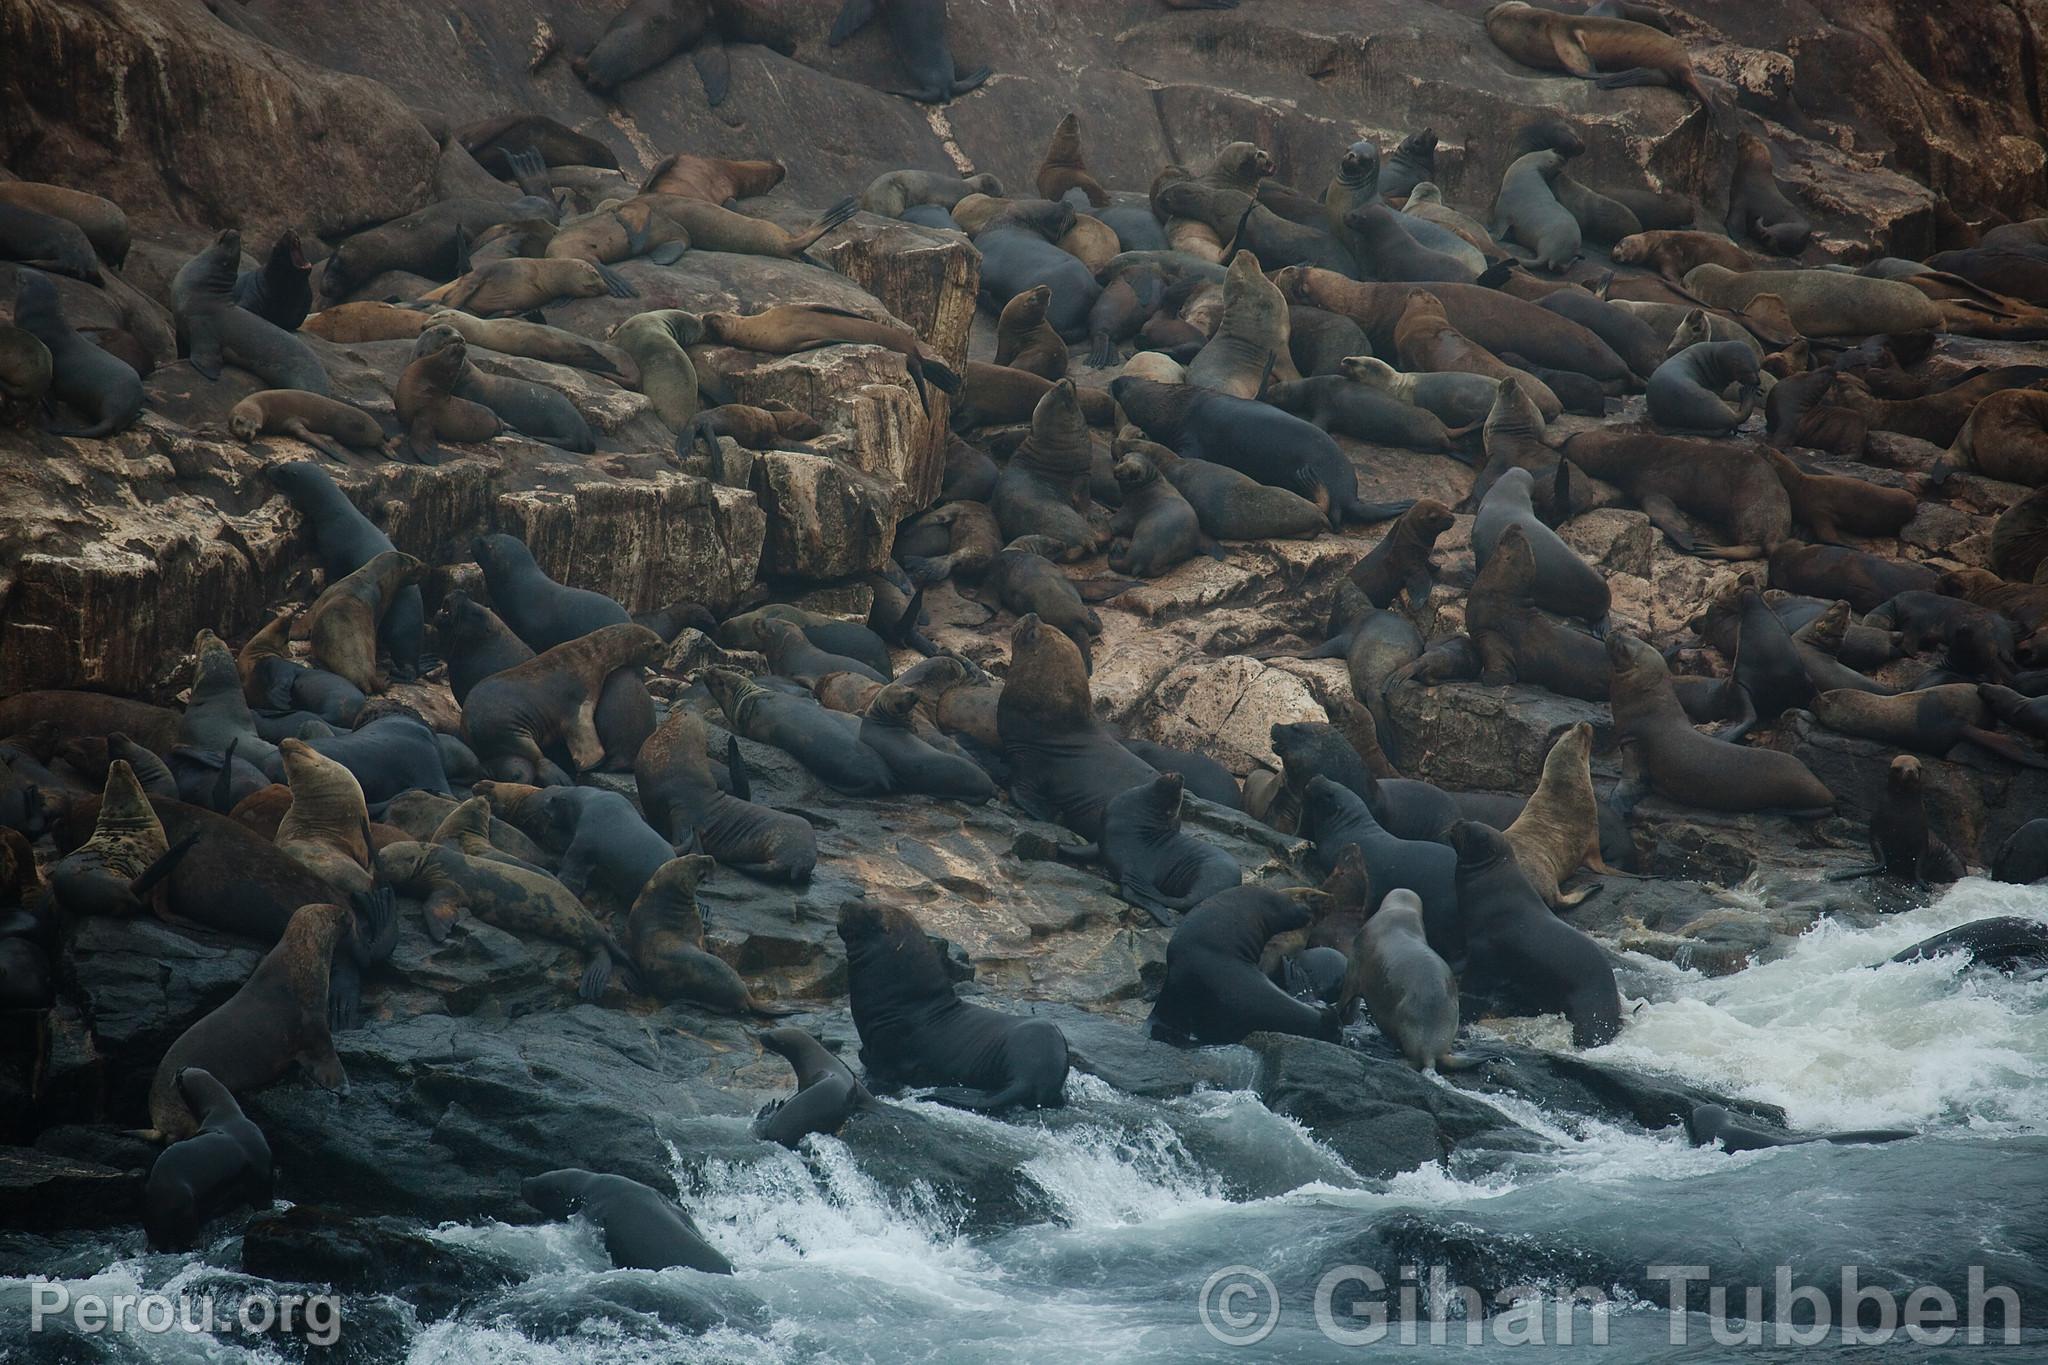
x=1214 y=991
x=1250 y=337
x=539 y=610
x=972 y=540
x=1558 y=830
x=1402 y=560
x=1757 y=208
x=1822 y=303
x=1864 y=581
x=713 y=179
x=280 y=291
x=656 y=341
x=1457 y=398
x=1043 y=491
x=827 y=1092
x=1023 y=339
x=1527 y=211
x=531 y=409
x=536 y=341
x=1061 y=168
x=1832 y=506
x=1388 y=250
x=647 y=33
x=47 y=240
x=1600 y=218
x=217 y=714
x=25 y=369
x=510 y=717
x=832 y=752
x=102 y=389
x=307 y=417
x=893 y=193
x=277 y=1019
x=1023 y=580
x=101 y=220
x=643 y=1229
x=1682 y=764
x=428 y=407
x=792 y=655
x=776 y=426
x=1424 y=339
x=127 y=856
x=326 y=828
x=1708 y=1124
x=665 y=934
x=1521 y=958
x=1158 y=867
x=1426 y=201
x=1319 y=340
x=1334 y=403
x=2023 y=858
x=787 y=329
x=1564 y=582
x=524 y=284
x=917 y=33
x=606 y=852
x=1335 y=818
x=1234 y=506
x=616 y=232
x=557 y=145
x=2006 y=437
x=1253 y=438
x=1685 y=393
x=215 y=331
x=223 y=1166
x=1066 y=764
x=1157 y=525
x=2019 y=539
x=1408 y=989
x=389 y=754
x=915 y=1031
x=1411 y=163
x=1726 y=484
x=343 y=622
x=1905 y=848
x=1610 y=52
x=1932 y=720
x=914 y=765
x=1674 y=254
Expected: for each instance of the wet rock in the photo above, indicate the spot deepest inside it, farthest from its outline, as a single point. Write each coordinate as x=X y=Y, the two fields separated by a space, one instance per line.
x=41 y=1191
x=315 y=1245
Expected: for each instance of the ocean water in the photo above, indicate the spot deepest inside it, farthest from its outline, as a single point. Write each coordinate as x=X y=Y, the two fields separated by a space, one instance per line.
x=1209 y=1228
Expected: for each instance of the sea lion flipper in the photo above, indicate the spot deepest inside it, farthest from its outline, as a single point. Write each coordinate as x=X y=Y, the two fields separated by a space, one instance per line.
x=853 y=17
x=1665 y=516
x=736 y=770
x=713 y=68
x=1634 y=76
x=203 y=346
x=344 y=1000
x=597 y=975
x=440 y=910
x=1147 y=898
x=143 y=885
x=668 y=253
x=2004 y=746
x=616 y=284
x=1571 y=54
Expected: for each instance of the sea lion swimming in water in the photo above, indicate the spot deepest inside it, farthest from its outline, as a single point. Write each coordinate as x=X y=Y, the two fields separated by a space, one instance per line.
x=643 y=1230
x=827 y=1092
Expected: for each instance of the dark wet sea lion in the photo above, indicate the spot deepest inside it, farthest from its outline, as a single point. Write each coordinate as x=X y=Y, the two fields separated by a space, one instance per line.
x=827 y=1092
x=389 y=754
x=1864 y=581
x=277 y=1020
x=531 y=409
x=1158 y=866
x=643 y=1229
x=1517 y=642
x=217 y=713
x=2023 y=858
x=1402 y=560
x=917 y=32
x=102 y=389
x=101 y=220
x=280 y=291
x=1686 y=766
x=215 y=331
x=344 y=540
x=1066 y=764
x=647 y=33
x=665 y=934
x=1564 y=582
x=474 y=642
x=1335 y=818
x=1527 y=211
x=914 y=765
x=914 y=1030
x=1757 y=208
x=1708 y=1124
x=1214 y=991
x=490 y=140
x=1684 y=394
x=1234 y=506
x=224 y=1166
x=1339 y=405
x=1157 y=524
x=1020 y=251
x=606 y=851
x=1203 y=775
x=801 y=728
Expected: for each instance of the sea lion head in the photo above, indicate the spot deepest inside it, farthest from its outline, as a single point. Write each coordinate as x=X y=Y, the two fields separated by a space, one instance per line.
x=459 y=619
x=245 y=421
x=1631 y=249
x=1511 y=569
x=1134 y=472
x=672 y=890
x=893 y=704
x=1904 y=777
x=985 y=184
x=1325 y=803
x=1155 y=805
x=862 y=921
x=1426 y=192
x=1367 y=370
x=558 y=1194
x=1399 y=907
x=932 y=678
x=1242 y=163
x=1030 y=305
x=471 y=818
x=403 y=863
x=729 y=689
x=1628 y=656
x=1428 y=518
x=1478 y=846
x=499 y=554
x=206 y=1097
x=1360 y=164
x=213 y=667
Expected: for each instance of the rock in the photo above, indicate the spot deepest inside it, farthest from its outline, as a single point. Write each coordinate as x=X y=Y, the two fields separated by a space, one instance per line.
x=1466 y=735
x=41 y=1191
x=1226 y=708
x=315 y=1245
x=825 y=519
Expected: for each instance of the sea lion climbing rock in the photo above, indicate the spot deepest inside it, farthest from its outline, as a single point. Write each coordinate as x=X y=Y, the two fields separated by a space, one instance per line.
x=1408 y=989
x=643 y=1229
x=827 y=1092
x=1214 y=991
x=1558 y=831
x=1757 y=208
x=216 y=332
x=343 y=622
x=224 y=1165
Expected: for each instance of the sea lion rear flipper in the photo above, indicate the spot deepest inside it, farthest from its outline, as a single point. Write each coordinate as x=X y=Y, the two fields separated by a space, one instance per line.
x=1418 y=587
x=939 y=373
x=1850 y=874
x=853 y=17
x=1634 y=76
x=616 y=284
x=597 y=975
x=736 y=770
x=1464 y=1061
x=713 y=68
x=1369 y=512
x=377 y=927
x=1742 y=718
x=2005 y=747
x=344 y=995
x=439 y=912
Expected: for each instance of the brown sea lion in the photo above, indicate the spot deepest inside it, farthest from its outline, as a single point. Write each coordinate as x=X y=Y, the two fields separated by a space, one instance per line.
x=523 y=284
x=278 y=1019
x=490 y=140
x=1518 y=643
x=1906 y=848
x=777 y=426
x=789 y=328
x=1611 y=53
x=1025 y=341
x=713 y=228
x=2024 y=603
x=326 y=827
x=95 y=714
x=712 y=179
x=342 y=622
x=2019 y=543
x=1832 y=505
x=1402 y=560
x=1671 y=254
x=1757 y=208
x=101 y=220
x=618 y=232
x=665 y=934
x=1066 y=764
x=1726 y=484
x=1426 y=341
x=1685 y=766
x=1061 y=168
x=997 y=395
x=1044 y=489
x=127 y=856
x=429 y=410
x=1864 y=581
x=1823 y=303
x=1559 y=830
x=511 y=717
x=2006 y=437
x=893 y=193
x=308 y=417
x=1251 y=337
x=647 y=33
x=683 y=801
x=1933 y=720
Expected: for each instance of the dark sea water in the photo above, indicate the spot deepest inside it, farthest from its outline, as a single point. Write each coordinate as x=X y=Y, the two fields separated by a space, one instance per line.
x=1181 y=1227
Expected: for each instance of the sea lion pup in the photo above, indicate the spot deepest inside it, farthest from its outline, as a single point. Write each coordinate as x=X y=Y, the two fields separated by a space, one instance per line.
x=1565 y=583
x=1410 y=992
x=277 y=1019
x=1253 y=438
x=1230 y=505
x=685 y=803
x=827 y=1092
x=128 y=854
x=830 y=751
x=1906 y=848
x=1333 y=403
x=306 y=417
x=2006 y=437
x=1157 y=525
x=643 y=1229
x=1425 y=340
x=788 y=328
x=428 y=407
x=1612 y=53
x=1066 y=765
x=102 y=389
x=217 y=713
x=1823 y=303
x=525 y=283
x=647 y=33
x=531 y=409
x=1725 y=484
x=1214 y=991
x=327 y=829
x=504 y=895
x=792 y=655
x=665 y=934
x=1757 y=208
x=343 y=621
x=223 y=1166
x=1558 y=831
x=1683 y=765
x=1024 y=340
x=1932 y=720
x=1044 y=489
x=1708 y=1124
x=1062 y=169
x=216 y=332
x=915 y=766
x=1023 y=579
x=1411 y=164
x=917 y=34
x=893 y=193
x=914 y=1031
x=1684 y=394
x=1527 y=211
x=1833 y=506
x=972 y=540
x=511 y=717
x=775 y=426
x=281 y=290
x=1521 y=958
x=1402 y=561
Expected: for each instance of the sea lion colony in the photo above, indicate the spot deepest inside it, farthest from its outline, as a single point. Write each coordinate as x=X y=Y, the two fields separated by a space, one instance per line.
x=1258 y=359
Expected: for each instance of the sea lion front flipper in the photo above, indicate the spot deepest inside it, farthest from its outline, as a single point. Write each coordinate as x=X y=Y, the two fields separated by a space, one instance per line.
x=1418 y=587
x=597 y=975
x=420 y=441
x=1571 y=54
x=668 y=253
x=586 y=750
x=377 y=931
x=439 y=911
x=202 y=340
x=713 y=68
x=616 y=284
x=853 y=17
x=1665 y=516
x=736 y=770
x=142 y=887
